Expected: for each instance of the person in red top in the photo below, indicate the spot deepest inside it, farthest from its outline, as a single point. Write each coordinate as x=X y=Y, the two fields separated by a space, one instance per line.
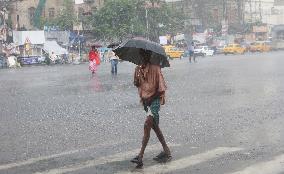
x=94 y=59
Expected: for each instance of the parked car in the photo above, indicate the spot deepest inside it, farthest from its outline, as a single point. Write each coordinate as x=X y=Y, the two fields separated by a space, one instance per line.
x=220 y=49
x=277 y=44
x=173 y=52
x=234 y=49
x=260 y=47
x=203 y=51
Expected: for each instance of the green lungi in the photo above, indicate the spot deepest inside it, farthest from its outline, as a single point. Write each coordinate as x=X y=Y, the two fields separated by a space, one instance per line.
x=154 y=107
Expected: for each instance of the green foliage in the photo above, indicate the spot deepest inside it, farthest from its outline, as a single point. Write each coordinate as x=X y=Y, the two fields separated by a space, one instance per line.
x=38 y=13
x=66 y=17
x=42 y=22
x=114 y=19
x=118 y=19
x=121 y=18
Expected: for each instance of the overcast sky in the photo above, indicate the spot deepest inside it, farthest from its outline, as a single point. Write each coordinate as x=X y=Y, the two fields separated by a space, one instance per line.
x=172 y=0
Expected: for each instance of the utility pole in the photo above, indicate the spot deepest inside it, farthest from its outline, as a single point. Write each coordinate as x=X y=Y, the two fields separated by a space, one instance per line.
x=79 y=27
x=147 y=23
x=224 y=9
x=260 y=11
x=250 y=10
x=188 y=22
x=225 y=25
x=78 y=33
x=150 y=5
x=3 y=9
x=255 y=10
x=240 y=11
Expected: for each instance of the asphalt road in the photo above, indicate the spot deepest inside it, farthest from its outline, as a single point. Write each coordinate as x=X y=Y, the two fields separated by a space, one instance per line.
x=223 y=115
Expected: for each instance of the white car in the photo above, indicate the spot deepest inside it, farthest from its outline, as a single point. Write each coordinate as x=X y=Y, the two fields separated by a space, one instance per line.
x=203 y=51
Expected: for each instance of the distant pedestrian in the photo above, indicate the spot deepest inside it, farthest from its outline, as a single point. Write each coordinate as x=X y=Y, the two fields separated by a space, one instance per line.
x=114 y=62
x=65 y=58
x=94 y=60
x=53 y=57
x=105 y=56
x=191 y=52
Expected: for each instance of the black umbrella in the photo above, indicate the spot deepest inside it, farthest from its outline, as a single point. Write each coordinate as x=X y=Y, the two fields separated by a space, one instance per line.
x=113 y=45
x=131 y=51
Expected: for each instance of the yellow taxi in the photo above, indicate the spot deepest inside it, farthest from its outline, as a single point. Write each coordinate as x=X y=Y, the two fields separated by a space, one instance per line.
x=173 y=52
x=234 y=49
x=260 y=47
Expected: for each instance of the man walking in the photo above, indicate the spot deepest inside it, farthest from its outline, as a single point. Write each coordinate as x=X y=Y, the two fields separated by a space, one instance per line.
x=191 y=52
x=151 y=86
x=114 y=61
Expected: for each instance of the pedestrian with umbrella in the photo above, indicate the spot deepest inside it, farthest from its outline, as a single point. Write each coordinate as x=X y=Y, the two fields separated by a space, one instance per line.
x=150 y=58
x=94 y=60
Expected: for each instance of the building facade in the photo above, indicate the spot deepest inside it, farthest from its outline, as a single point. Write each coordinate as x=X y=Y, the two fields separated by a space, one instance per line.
x=23 y=11
x=270 y=12
x=211 y=13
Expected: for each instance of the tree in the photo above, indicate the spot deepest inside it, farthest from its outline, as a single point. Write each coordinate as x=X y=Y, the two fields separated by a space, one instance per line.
x=114 y=20
x=121 y=18
x=66 y=17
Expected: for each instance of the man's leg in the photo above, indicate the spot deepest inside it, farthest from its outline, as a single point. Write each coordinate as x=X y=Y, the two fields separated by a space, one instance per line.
x=112 y=66
x=147 y=129
x=115 y=67
x=162 y=139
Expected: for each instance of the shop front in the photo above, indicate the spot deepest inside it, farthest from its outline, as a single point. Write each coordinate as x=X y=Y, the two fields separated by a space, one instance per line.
x=261 y=32
x=30 y=45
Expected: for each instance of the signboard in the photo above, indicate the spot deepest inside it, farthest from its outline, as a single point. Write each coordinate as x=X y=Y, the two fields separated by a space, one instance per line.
x=77 y=2
x=35 y=37
x=163 y=40
x=78 y=26
x=151 y=5
x=3 y=33
x=225 y=28
x=260 y=29
x=200 y=37
x=179 y=37
x=279 y=2
x=31 y=60
x=27 y=44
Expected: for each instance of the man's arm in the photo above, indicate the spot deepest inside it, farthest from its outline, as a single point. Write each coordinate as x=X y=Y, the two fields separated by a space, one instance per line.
x=136 y=81
x=162 y=86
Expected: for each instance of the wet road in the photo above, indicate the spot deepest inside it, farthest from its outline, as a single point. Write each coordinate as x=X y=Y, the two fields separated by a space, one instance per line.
x=223 y=115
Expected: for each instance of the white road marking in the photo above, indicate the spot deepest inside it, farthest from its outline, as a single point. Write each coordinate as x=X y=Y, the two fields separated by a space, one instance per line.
x=103 y=160
x=35 y=160
x=185 y=162
x=275 y=166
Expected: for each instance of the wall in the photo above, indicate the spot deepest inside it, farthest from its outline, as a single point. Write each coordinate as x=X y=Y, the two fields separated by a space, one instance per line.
x=266 y=11
x=21 y=13
x=23 y=9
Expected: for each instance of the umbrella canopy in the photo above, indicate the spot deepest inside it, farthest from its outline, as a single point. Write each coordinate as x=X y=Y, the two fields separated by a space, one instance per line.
x=113 y=45
x=131 y=51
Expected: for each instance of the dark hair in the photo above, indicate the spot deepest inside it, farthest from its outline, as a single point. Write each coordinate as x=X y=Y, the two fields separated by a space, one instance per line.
x=146 y=54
